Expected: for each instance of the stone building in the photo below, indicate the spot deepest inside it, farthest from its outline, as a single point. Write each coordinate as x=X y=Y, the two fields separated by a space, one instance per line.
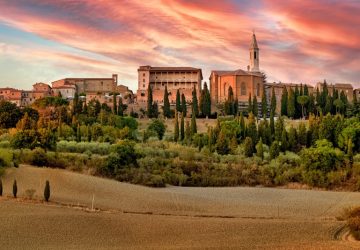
x=12 y=95
x=346 y=87
x=278 y=91
x=184 y=79
x=243 y=82
x=84 y=85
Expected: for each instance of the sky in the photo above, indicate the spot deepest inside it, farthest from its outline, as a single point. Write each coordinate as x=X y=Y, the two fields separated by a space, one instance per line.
x=301 y=41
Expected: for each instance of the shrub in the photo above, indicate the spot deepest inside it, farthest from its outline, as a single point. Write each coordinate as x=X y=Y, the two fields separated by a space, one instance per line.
x=47 y=191
x=39 y=157
x=29 y=193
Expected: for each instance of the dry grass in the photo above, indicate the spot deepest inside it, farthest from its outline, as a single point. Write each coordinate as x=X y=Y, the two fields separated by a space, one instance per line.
x=140 y=217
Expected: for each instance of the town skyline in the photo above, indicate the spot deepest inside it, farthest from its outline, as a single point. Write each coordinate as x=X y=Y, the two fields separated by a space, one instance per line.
x=42 y=41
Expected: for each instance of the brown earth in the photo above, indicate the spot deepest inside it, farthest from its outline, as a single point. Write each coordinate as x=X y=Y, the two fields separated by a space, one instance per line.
x=136 y=217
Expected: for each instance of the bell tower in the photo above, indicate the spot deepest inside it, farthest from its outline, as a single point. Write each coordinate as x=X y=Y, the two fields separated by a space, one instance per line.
x=254 y=55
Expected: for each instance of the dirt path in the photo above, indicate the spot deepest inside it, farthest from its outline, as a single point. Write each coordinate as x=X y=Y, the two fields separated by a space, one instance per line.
x=140 y=217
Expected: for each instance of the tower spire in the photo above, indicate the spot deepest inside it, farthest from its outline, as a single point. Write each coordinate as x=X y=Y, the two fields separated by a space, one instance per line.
x=254 y=54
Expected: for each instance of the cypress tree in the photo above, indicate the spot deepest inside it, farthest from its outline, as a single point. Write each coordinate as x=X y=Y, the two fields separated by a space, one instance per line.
x=114 y=104
x=302 y=138
x=183 y=105
x=155 y=110
x=88 y=132
x=229 y=103
x=356 y=105
x=166 y=108
x=274 y=150
x=120 y=108
x=251 y=129
x=272 y=123
x=311 y=105
x=273 y=102
x=284 y=102
x=301 y=90
x=279 y=126
x=350 y=153
x=250 y=108
x=1 y=188
x=248 y=147
x=195 y=106
x=284 y=140
x=291 y=104
x=150 y=111
x=187 y=132
x=292 y=145
x=233 y=145
x=236 y=107
x=297 y=106
x=260 y=149
x=255 y=106
x=178 y=101
x=15 y=189
x=306 y=90
x=242 y=125
x=47 y=191
x=176 y=128
x=193 y=123
x=264 y=105
x=207 y=101
x=182 y=127
x=78 y=134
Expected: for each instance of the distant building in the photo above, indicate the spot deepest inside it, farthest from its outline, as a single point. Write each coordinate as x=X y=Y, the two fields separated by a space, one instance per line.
x=278 y=91
x=184 y=79
x=243 y=83
x=347 y=88
x=12 y=95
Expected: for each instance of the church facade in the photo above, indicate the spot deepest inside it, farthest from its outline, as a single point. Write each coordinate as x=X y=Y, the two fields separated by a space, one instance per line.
x=243 y=82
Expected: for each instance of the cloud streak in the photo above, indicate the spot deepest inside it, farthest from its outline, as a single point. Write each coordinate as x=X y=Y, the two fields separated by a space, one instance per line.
x=300 y=41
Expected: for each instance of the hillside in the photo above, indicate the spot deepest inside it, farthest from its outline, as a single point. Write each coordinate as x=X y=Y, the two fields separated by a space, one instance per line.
x=174 y=217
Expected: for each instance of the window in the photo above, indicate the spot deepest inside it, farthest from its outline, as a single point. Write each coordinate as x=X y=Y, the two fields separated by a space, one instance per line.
x=143 y=85
x=255 y=55
x=258 y=90
x=143 y=74
x=143 y=80
x=243 y=88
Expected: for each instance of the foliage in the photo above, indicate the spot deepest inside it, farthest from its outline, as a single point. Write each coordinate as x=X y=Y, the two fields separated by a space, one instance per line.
x=157 y=127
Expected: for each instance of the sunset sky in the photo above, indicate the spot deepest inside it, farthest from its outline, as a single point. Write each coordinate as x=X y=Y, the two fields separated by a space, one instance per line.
x=300 y=41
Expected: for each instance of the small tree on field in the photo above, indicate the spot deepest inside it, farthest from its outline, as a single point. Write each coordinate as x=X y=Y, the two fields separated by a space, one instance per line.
x=47 y=191
x=14 y=189
x=274 y=150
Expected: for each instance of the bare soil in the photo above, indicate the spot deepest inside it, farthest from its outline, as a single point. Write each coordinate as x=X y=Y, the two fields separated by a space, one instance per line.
x=136 y=217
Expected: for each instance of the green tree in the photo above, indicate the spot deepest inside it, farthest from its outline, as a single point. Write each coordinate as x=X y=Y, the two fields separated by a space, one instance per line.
x=229 y=103
x=297 y=106
x=10 y=114
x=195 y=106
x=273 y=102
x=222 y=144
x=350 y=153
x=279 y=127
x=114 y=104
x=260 y=149
x=250 y=107
x=150 y=111
x=302 y=135
x=193 y=123
x=15 y=189
x=284 y=102
x=182 y=128
x=292 y=139
x=248 y=147
x=157 y=127
x=205 y=101
x=291 y=104
x=47 y=191
x=166 y=108
x=183 y=105
x=255 y=106
x=176 y=128
x=251 y=128
x=306 y=90
x=121 y=107
x=302 y=100
x=187 y=132
x=178 y=101
x=274 y=150
x=339 y=105
x=272 y=123
x=284 y=140
x=264 y=105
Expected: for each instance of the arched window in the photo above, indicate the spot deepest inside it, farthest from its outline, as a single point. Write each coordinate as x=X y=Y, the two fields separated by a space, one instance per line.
x=254 y=54
x=258 y=90
x=243 y=88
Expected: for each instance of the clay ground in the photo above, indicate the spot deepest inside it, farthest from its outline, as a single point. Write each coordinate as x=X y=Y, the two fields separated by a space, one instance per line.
x=136 y=217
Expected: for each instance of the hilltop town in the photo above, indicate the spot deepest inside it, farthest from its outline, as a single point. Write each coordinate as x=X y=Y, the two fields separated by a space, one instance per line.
x=244 y=83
